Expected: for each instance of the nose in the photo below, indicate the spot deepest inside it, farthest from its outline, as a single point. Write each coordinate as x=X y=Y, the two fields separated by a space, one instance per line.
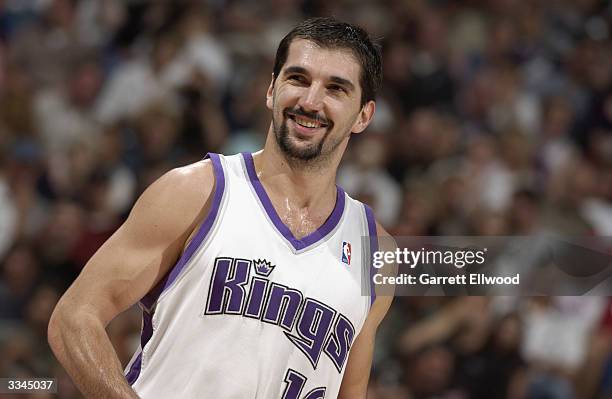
x=312 y=97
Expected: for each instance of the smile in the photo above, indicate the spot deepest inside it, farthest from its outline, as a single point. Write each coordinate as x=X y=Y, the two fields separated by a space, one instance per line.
x=307 y=122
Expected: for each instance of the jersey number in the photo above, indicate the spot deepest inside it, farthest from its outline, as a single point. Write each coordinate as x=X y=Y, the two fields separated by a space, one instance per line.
x=295 y=383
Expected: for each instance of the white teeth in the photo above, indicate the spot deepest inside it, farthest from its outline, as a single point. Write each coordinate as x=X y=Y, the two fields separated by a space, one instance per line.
x=306 y=123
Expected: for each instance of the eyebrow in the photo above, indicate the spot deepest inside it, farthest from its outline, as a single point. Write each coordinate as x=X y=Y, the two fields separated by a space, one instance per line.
x=336 y=79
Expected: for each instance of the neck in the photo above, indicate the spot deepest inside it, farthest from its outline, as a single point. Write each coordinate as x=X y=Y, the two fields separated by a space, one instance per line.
x=304 y=184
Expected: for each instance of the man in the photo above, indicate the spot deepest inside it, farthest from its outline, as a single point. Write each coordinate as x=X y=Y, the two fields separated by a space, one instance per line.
x=248 y=268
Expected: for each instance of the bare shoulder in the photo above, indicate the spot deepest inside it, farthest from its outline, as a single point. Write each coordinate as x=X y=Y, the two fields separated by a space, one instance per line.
x=185 y=184
x=179 y=196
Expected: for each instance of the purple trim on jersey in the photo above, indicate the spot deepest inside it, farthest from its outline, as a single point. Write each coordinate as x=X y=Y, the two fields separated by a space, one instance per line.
x=147 y=328
x=373 y=247
x=312 y=238
x=134 y=372
x=151 y=297
x=145 y=336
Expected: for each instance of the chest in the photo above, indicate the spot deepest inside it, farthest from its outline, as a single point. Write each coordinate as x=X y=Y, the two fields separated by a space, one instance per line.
x=301 y=221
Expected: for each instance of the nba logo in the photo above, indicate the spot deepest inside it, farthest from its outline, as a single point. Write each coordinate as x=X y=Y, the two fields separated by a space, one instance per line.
x=346 y=252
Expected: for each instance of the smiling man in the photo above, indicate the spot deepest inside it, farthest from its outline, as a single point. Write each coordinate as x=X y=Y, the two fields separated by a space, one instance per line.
x=251 y=270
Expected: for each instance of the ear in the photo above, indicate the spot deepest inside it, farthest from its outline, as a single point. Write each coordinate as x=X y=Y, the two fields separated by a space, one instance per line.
x=365 y=117
x=270 y=94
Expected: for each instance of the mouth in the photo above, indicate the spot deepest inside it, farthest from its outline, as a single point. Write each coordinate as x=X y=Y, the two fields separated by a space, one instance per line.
x=307 y=125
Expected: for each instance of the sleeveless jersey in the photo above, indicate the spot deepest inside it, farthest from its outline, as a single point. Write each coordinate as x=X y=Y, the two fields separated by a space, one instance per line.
x=249 y=311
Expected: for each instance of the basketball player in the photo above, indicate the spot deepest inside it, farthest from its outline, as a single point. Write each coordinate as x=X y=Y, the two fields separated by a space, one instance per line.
x=248 y=268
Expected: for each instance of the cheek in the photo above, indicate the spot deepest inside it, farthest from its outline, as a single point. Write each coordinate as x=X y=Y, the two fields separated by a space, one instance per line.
x=288 y=95
x=343 y=116
x=276 y=101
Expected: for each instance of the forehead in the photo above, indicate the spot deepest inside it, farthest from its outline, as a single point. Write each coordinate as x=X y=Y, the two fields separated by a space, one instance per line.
x=323 y=61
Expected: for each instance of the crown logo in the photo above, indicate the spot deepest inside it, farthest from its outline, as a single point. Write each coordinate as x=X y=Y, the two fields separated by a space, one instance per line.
x=263 y=267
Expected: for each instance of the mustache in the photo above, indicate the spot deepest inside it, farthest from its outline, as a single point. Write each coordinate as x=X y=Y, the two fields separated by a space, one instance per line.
x=306 y=114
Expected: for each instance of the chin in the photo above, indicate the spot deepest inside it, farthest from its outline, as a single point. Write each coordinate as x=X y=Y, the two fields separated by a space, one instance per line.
x=303 y=152
x=297 y=148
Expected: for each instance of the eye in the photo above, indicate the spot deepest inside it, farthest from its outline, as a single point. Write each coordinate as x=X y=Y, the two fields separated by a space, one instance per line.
x=297 y=78
x=336 y=88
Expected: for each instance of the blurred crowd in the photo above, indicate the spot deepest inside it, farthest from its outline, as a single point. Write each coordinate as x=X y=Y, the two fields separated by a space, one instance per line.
x=495 y=118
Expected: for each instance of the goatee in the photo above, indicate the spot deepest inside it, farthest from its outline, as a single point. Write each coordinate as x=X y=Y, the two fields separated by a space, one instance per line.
x=303 y=153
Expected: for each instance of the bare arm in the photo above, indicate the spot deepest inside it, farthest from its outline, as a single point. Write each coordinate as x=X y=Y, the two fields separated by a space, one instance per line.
x=121 y=272
x=357 y=373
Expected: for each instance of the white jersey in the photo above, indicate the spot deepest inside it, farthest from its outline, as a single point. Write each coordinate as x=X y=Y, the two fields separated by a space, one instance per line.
x=249 y=311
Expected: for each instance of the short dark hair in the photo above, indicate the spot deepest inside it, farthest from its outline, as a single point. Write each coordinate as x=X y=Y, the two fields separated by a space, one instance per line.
x=328 y=32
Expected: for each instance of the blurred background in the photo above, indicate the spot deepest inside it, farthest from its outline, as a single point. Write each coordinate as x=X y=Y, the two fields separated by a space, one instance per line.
x=495 y=119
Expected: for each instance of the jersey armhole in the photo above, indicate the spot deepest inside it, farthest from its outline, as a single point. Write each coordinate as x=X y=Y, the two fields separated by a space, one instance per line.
x=373 y=241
